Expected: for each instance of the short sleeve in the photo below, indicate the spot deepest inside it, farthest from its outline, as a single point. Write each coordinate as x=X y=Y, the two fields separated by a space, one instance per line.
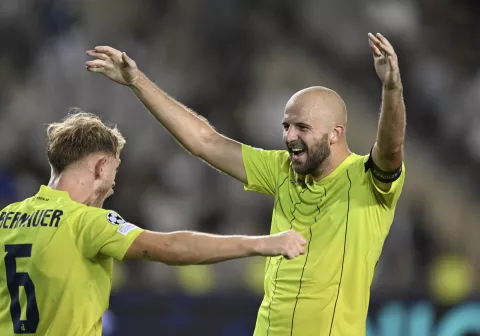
x=103 y=232
x=390 y=197
x=262 y=167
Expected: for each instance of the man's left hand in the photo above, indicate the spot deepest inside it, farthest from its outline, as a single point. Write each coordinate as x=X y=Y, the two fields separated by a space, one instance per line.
x=386 y=61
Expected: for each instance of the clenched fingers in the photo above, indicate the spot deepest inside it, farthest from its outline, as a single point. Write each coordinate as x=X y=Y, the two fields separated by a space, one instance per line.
x=295 y=245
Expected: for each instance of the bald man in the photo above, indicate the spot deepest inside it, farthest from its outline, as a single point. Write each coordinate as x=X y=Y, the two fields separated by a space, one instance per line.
x=341 y=202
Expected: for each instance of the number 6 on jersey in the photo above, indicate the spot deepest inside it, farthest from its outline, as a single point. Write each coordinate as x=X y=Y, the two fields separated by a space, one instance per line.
x=15 y=280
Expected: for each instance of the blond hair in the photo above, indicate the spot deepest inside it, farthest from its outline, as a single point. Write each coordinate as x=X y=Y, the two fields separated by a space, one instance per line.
x=78 y=135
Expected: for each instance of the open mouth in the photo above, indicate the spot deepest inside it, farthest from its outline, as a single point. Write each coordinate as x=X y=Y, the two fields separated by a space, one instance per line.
x=297 y=153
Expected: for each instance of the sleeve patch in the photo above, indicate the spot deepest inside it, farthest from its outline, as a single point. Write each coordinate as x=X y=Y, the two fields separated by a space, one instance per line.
x=126 y=228
x=115 y=218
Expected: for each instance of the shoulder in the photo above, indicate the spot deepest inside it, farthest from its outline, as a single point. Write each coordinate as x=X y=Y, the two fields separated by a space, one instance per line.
x=92 y=220
x=82 y=214
x=11 y=206
x=357 y=162
x=256 y=151
x=98 y=214
x=275 y=159
x=362 y=162
x=281 y=159
x=16 y=206
x=358 y=167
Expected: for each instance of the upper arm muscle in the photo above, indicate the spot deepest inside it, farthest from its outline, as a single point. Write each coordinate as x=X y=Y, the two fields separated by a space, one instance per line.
x=144 y=245
x=226 y=155
x=387 y=161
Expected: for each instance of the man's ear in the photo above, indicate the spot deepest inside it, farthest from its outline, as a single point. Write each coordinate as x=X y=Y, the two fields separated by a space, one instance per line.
x=337 y=133
x=99 y=167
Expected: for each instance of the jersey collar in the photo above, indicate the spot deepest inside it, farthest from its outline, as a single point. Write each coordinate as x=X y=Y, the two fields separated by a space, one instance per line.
x=344 y=165
x=47 y=191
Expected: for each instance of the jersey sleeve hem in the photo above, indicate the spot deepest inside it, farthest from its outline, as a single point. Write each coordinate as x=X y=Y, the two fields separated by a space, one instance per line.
x=246 y=157
x=120 y=255
x=388 y=194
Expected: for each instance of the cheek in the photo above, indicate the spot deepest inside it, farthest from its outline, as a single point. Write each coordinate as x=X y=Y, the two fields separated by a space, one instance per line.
x=110 y=178
x=307 y=141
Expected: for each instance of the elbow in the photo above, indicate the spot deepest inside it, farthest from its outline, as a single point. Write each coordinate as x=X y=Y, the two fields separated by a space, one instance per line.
x=207 y=138
x=182 y=261
x=173 y=263
x=395 y=150
x=169 y=251
x=389 y=158
x=391 y=150
x=177 y=252
x=175 y=259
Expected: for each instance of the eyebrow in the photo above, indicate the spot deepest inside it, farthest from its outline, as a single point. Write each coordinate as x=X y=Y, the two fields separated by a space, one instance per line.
x=298 y=124
x=301 y=124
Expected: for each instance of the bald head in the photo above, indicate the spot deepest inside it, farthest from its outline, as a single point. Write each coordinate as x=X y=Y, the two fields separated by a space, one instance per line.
x=320 y=104
x=314 y=126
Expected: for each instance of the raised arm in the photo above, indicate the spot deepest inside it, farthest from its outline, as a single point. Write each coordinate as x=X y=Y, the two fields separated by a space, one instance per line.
x=188 y=248
x=387 y=153
x=188 y=128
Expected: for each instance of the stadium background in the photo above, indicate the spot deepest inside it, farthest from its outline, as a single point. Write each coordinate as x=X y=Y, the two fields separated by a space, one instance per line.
x=237 y=62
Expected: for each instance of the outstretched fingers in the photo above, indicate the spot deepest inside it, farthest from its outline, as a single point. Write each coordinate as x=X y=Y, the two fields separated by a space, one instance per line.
x=94 y=69
x=380 y=43
x=128 y=61
x=98 y=55
x=375 y=51
x=98 y=65
x=106 y=50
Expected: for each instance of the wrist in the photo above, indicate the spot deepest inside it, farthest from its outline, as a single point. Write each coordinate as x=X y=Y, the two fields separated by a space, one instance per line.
x=137 y=82
x=256 y=245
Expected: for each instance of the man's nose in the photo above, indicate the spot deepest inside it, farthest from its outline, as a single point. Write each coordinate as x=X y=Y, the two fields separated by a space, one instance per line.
x=291 y=134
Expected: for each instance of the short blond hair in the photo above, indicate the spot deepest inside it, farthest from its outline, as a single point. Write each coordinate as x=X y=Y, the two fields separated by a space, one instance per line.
x=78 y=135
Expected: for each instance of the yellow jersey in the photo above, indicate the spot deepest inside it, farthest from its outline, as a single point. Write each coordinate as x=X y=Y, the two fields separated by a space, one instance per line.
x=56 y=274
x=345 y=218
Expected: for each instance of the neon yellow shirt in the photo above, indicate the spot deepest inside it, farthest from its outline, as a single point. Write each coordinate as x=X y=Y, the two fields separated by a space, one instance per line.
x=56 y=273
x=345 y=218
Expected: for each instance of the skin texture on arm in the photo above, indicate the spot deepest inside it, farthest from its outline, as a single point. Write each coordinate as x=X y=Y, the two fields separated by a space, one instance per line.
x=192 y=131
x=387 y=153
x=193 y=248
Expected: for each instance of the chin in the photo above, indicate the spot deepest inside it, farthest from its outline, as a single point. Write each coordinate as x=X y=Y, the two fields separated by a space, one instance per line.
x=298 y=166
x=299 y=169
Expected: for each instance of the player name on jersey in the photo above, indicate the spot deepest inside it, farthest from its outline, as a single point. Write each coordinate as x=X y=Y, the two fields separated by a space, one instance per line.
x=13 y=220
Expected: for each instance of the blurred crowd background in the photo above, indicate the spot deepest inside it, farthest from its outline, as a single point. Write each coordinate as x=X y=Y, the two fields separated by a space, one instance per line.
x=237 y=62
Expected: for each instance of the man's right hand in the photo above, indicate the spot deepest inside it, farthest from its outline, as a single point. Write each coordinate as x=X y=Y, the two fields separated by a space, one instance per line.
x=290 y=244
x=114 y=64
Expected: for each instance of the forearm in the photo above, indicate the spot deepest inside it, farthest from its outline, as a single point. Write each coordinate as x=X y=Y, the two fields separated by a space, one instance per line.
x=391 y=127
x=191 y=130
x=187 y=248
